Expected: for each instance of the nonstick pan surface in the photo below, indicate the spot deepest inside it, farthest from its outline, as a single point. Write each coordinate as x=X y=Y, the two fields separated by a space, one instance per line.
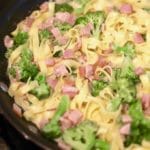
x=11 y=13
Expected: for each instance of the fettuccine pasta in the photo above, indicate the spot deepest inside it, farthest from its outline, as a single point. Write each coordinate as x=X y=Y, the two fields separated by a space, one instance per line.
x=95 y=52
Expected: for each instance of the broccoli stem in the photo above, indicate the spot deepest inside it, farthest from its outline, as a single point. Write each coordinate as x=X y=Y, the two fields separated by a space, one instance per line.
x=52 y=129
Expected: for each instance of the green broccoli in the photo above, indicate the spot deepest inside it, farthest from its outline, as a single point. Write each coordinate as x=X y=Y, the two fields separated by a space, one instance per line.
x=127 y=70
x=101 y=145
x=97 y=86
x=20 y=39
x=26 y=66
x=125 y=92
x=81 y=137
x=43 y=90
x=12 y=71
x=40 y=78
x=52 y=129
x=140 y=126
x=64 y=7
x=124 y=84
x=44 y=34
x=63 y=27
x=96 y=18
x=83 y=20
x=9 y=52
x=128 y=49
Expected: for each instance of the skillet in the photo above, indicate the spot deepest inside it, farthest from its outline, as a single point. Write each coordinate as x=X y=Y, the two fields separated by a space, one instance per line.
x=11 y=13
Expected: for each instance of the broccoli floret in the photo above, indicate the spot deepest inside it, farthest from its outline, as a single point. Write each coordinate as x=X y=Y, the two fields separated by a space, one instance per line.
x=126 y=92
x=96 y=18
x=128 y=49
x=26 y=66
x=40 y=78
x=124 y=84
x=97 y=86
x=52 y=129
x=127 y=71
x=83 y=20
x=20 y=38
x=12 y=71
x=140 y=126
x=9 y=52
x=64 y=7
x=81 y=137
x=101 y=145
x=43 y=90
x=44 y=34
x=63 y=27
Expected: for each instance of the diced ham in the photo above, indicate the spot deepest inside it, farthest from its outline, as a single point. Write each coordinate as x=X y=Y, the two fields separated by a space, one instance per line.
x=27 y=23
x=17 y=110
x=42 y=123
x=82 y=71
x=50 y=62
x=102 y=62
x=82 y=59
x=65 y=17
x=8 y=41
x=75 y=116
x=86 y=31
x=126 y=9
x=70 y=119
x=71 y=91
x=65 y=123
x=126 y=119
x=62 y=40
x=44 y=7
x=125 y=129
x=60 y=70
x=52 y=82
x=56 y=32
x=70 y=82
x=137 y=38
x=146 y=101
x=47 y=24
x=62 y=145
x=58 y=36
x=139 y=71
x=68 y=54
x=87 y=71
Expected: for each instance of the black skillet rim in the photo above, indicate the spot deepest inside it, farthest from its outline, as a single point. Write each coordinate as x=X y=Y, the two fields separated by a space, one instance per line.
x=8 y=21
